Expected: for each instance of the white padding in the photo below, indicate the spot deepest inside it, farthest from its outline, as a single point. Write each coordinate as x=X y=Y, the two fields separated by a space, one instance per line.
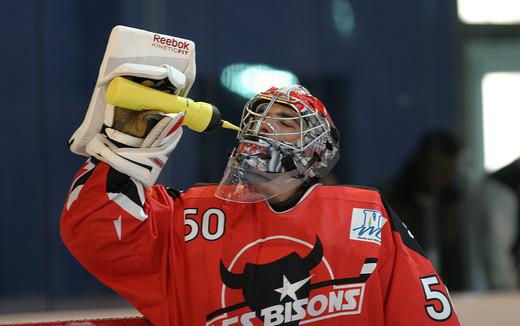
x=144 y=163
x=139 y=53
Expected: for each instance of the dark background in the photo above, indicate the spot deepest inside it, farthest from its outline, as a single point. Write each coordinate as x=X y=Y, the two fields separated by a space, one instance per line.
x=386 y=81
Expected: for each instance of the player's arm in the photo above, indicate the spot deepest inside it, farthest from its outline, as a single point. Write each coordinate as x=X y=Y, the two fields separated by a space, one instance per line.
x=127 y=154
x=119 y=231
x=414 y=292
x=114 y=221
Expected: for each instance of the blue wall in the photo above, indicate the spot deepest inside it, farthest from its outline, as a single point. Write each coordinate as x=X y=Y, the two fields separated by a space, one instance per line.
x=385 y=84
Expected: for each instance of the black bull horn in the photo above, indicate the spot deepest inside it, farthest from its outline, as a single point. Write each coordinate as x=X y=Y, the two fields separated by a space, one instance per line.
x=239 y=281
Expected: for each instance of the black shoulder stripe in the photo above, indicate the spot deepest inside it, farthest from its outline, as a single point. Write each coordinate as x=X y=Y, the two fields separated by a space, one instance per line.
x=174 y=193
x=84 y=177
x=399 y=227
x=118 y=182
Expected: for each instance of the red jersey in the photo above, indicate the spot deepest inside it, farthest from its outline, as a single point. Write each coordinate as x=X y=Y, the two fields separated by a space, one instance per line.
x=339 y=257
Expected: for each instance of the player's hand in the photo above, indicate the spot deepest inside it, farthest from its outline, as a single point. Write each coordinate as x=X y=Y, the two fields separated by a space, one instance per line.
x=135 y=123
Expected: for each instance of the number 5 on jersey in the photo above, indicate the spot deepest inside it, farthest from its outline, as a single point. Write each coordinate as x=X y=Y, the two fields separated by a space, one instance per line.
x=438 y=305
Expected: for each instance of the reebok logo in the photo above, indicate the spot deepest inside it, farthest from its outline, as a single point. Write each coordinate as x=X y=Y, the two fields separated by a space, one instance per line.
x=170 y=44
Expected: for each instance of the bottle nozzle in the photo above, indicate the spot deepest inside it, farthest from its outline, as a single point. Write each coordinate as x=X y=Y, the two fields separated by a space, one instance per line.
x=229 y=125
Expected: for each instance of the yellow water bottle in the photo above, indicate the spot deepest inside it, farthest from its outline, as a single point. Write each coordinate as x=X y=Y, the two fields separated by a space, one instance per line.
x=198 y=116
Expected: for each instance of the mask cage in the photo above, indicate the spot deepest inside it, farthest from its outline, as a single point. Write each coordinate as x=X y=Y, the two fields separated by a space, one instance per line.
x=312 y=126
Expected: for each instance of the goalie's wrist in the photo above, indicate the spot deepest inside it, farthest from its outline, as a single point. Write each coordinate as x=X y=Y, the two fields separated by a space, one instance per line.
x=121 y=159
x=140 y=159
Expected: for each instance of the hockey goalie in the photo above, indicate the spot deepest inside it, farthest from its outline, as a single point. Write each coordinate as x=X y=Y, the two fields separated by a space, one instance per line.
x=268 y=245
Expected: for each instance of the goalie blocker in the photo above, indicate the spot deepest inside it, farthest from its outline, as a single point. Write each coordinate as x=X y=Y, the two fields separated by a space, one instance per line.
x=146 y=56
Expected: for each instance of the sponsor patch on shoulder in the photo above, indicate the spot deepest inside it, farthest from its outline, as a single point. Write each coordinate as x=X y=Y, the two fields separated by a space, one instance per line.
x=366 y=225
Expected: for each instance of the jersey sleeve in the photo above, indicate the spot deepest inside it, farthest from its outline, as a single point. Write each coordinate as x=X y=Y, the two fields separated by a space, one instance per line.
x=119 y=231
x=414 y=292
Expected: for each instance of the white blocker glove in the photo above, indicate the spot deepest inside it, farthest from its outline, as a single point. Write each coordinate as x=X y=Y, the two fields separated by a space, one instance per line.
x=141 y=158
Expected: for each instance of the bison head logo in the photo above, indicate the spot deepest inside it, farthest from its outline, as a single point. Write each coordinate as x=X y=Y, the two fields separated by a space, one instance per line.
x=277 y=282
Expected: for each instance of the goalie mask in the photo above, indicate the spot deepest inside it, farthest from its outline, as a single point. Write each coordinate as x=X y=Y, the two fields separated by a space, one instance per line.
x=287 y=138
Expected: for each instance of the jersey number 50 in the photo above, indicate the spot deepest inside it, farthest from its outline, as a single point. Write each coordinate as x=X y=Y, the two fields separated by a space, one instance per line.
x=211 y=226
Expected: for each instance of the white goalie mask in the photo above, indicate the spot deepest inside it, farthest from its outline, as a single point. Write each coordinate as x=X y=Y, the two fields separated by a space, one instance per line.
x=287 y=138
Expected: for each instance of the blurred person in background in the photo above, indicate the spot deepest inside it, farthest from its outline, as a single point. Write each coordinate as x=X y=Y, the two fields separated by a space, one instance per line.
x=496 y=236
x=427 y=194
